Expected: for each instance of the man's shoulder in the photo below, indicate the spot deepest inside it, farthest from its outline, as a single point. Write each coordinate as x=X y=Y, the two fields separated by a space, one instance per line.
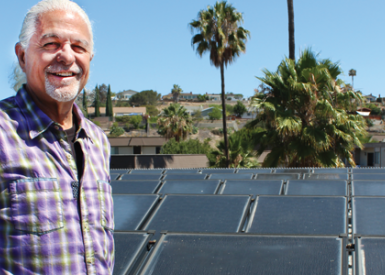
x=7 y=104
x=9 y=110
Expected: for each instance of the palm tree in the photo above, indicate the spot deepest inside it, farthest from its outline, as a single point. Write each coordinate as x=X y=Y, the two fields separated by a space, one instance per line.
x=218 y=32
x=290 y=10
x=176 y=91
x=241 y=152
x=306 y=123
x=175 y=122
x=352 y=73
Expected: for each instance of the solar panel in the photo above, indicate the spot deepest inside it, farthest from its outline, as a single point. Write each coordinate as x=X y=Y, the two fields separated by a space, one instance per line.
x=277 y=176
x=368 y=171
x=114 y=176
x=200 y=213
x=181 y=171
x=317 y=187
x=326 y=176
x=299 y=215
x=231 y=176
x=368 y=216
x=331 y=170
x=375 y=176
x=129 y=247
x=370 y=255
x=134 y=187
x=141 y=177
x=119 y=171
x=218 y=171
x=253 y=187
x=190 y=187
x=291 y=171
x=131 y=210
x=217 y=254
x=255 y=171
x=368 y=188
x=185 y=177
x=146 y=171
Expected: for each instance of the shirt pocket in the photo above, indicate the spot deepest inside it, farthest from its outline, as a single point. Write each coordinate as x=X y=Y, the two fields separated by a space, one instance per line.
x=106 y=205
x=36 y=205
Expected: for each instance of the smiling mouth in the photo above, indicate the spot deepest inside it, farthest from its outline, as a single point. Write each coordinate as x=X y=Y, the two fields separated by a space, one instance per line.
x=64 y=74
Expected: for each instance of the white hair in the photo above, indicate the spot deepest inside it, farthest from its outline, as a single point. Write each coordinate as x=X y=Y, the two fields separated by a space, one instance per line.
x=28 y=29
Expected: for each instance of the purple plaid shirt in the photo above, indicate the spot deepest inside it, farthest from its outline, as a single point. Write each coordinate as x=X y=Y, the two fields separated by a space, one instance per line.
x=45 y=228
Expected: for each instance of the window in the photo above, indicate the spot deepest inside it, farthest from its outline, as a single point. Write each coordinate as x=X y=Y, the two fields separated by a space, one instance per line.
x=377 y=157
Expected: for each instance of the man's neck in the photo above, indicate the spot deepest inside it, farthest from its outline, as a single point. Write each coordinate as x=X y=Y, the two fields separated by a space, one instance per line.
x=60 y=112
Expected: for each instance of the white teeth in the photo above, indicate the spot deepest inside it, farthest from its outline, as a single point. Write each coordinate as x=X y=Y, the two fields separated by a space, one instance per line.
x=64 y=74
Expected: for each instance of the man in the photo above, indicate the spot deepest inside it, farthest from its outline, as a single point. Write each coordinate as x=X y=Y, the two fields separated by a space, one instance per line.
x=55 y=199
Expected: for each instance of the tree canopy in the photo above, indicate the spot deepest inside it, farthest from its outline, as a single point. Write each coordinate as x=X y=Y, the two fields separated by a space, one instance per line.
x=304 y=111
x=190 y=146
x=239 y=109
x=241 y=152
x=143 y=98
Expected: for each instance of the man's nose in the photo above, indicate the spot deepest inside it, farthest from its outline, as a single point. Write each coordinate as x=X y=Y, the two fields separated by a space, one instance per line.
x=66 y=55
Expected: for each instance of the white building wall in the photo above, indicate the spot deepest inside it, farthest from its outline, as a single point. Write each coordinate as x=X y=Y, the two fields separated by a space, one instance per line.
x=148 y=150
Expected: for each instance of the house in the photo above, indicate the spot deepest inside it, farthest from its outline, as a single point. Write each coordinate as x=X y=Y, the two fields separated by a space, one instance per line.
x=125 y=95
x=372 y=155
x=182 y=96
x=251 y=113
x=136 y=145
x=214 y=97
x=119 y=111
x=370 y=98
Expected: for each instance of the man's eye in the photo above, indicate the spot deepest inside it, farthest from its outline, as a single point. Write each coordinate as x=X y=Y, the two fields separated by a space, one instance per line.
x=78 y=49
x=51 y=45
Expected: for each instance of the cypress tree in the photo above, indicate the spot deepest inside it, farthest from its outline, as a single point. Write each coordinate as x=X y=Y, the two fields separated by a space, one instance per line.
x=97 y=102
x=85 y=111
x=109 y=111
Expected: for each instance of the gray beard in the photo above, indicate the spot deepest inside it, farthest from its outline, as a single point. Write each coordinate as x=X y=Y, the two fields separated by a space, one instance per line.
x=62 y=94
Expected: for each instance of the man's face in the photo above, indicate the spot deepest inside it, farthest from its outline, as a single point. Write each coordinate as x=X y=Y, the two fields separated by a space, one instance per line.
x=58 y=57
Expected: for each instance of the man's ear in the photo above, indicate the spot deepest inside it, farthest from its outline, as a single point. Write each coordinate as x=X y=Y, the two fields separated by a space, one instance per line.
x=20 y=52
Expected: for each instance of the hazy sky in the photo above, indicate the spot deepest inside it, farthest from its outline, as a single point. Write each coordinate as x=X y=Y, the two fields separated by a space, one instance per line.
x=147 y=44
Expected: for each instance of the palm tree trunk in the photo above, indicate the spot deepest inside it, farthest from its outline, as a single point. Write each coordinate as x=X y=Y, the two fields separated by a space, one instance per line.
x=290 y=9
x=224 y=115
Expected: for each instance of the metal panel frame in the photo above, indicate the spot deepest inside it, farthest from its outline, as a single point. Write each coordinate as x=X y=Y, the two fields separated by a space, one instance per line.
x=242 y=218
x=356 y=254
x=352 y=187
x=148 y=213
x=130 y=182
x=223 y=186
x=164 y=182
x=254 y=209
x=153 y=253
x=352 y=218
x=172 y=175
x=141 y=253
x=304 y=182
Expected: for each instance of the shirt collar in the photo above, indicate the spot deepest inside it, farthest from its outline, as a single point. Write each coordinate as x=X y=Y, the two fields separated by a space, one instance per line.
x=38 y=122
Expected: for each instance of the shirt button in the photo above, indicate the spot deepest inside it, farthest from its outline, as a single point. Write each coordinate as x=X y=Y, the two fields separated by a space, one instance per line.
x=56 y=127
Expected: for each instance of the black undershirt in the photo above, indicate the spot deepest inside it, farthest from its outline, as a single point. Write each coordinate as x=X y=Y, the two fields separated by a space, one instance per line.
x=77 y=152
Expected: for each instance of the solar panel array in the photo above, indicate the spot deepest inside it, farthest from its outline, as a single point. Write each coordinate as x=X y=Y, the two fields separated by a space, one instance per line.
x=249 y=221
